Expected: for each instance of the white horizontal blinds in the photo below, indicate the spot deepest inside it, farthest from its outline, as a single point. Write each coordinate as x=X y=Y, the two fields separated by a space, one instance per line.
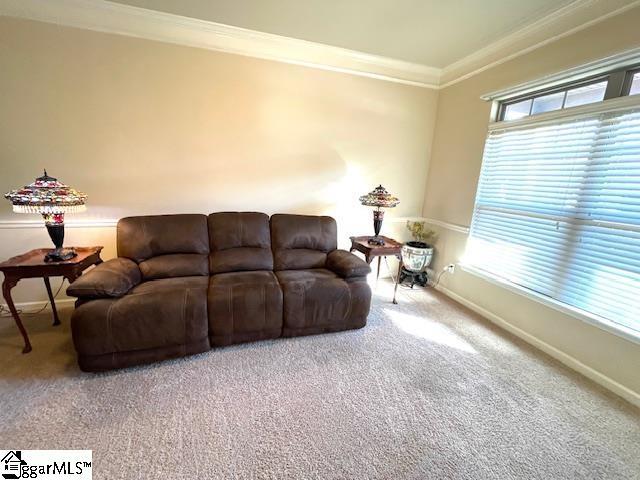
x=612 y=191
x=604 y=277
x=523 y=250
x=538 y=170
x=558 y=211
x=608 y=241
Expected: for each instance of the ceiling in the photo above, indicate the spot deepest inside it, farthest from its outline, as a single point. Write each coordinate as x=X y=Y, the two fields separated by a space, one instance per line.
x=429 y=32
x=426 y=43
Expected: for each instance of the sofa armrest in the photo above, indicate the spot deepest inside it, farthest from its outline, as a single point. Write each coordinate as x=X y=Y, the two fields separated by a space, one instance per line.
x=113 y=278
x=346 y=264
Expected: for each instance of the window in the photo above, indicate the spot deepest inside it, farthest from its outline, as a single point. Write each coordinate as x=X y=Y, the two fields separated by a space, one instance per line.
x=585 y=94
x=634 y=89
x=517 y=110
x=556 y=100
x=558 y=204
x=615 y=83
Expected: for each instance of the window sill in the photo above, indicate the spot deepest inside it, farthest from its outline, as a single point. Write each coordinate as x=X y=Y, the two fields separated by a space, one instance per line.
x=594 y=320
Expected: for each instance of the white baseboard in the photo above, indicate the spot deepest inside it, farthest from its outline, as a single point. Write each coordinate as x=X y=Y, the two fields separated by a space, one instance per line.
x=568 y=360
x=31 y=306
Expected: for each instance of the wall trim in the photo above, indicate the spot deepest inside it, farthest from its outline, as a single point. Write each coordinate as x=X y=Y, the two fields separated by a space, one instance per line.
x=115 y=18
x=449 y=226
x=18 y=224
x=554 y=26
x=571 y=362
x=21 y=224
x=441 y=223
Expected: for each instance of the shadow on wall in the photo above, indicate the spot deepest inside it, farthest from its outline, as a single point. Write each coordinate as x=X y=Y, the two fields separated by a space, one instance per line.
x=318 y=181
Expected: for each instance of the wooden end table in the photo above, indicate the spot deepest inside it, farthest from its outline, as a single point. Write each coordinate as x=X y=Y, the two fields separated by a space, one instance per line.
x=390 y=248
x=32 y=265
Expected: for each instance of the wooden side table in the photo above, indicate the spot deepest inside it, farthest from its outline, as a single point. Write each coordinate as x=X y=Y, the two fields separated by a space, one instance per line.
x=362 y=245
x=32 y=265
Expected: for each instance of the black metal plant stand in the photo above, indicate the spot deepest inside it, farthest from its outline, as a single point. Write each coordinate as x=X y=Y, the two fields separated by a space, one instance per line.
x=419 y=278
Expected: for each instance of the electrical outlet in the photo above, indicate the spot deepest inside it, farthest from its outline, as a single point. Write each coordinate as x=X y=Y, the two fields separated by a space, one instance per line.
x=451 y=268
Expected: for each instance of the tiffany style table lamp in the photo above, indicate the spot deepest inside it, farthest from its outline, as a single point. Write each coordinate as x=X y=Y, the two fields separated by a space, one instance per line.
x=52 y=199
x=378 y=198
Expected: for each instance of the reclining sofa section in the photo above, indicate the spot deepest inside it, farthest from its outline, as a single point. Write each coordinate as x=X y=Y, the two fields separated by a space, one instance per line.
x=185 y=283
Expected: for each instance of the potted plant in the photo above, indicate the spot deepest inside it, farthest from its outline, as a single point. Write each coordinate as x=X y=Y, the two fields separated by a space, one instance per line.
x=417 y=254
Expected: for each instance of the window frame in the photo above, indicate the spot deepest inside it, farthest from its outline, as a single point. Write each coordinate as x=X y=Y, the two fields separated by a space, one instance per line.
x=617 y=96
x=618 y=85
x=628 y=80
x=594 y=319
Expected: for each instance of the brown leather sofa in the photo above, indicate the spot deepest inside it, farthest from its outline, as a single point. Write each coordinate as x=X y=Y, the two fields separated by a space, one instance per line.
x=185 y=283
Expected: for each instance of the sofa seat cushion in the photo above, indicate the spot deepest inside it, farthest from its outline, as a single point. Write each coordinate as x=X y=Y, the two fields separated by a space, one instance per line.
x=244 y=306
x=317 y=300
x=156 y=320
x=306 y=276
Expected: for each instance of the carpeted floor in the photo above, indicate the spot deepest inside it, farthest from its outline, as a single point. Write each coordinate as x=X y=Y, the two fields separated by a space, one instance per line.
x=426 y=390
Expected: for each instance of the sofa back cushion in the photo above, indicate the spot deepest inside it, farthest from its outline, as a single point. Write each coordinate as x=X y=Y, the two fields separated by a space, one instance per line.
x=302 y=241
x=165 y=245
x=239 y=241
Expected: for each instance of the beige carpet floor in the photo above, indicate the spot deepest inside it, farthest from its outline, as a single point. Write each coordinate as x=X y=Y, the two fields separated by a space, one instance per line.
x=426 y=390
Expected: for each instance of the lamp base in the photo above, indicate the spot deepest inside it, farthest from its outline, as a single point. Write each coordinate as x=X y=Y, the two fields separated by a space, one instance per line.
x=378 y=216
x=376 y=240
x=60 y=255
x=55 y=227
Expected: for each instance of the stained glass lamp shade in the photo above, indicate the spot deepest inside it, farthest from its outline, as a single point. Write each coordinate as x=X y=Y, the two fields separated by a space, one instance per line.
x=378 y=198
x=52 y=199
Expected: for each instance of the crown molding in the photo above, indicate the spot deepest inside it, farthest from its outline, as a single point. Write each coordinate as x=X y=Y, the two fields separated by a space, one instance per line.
x=116 y=18
x=565 y=21
x=580 y=72
x=109 y=17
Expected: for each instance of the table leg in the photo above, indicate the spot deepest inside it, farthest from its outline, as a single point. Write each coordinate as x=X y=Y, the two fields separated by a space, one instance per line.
x=378 y=274
x=395 y=288
x=7 y=285
x=56 y=320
